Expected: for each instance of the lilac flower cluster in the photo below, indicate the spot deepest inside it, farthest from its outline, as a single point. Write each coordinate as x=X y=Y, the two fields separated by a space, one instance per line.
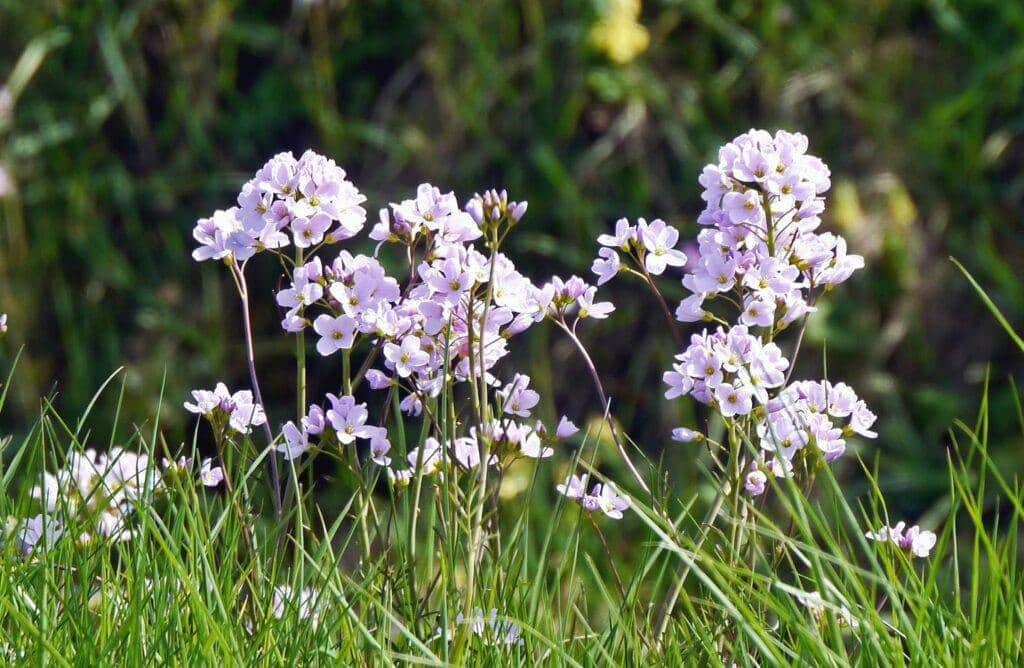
x=343 y=423
x=451 y=322
x=461 y=308
x=573 y=297
x=490 y=629
x=237 y=411
x=454 y=322
x=306 y=201
x=761 y=253
x=729 y=370
x=651 y=246
x=506 y=440
x=102 y=491
x=764 y=201
x=603 y=497
x=914 y=539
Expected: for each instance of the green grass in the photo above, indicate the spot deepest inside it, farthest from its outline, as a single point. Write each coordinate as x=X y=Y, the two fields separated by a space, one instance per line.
x=197 y=585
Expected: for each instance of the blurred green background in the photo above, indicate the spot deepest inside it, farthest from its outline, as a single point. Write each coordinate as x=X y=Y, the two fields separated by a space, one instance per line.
x=122 y=122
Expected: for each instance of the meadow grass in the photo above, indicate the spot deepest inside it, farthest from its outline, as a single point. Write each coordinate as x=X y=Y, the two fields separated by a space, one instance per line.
x=704 y=581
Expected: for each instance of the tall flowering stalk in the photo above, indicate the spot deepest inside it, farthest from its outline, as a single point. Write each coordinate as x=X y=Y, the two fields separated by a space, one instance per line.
x=433 y=340
x=761 y=264
x=447 y=324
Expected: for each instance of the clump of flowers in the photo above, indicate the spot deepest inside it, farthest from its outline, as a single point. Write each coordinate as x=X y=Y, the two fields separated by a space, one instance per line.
x=100 y=491
x=305 y=603
x=915 y=540
x=762 y=256
x=449 y=322
x=225 y=410
x=306 y=202
x=603 y=497
x=490 y=630
x=424 y=337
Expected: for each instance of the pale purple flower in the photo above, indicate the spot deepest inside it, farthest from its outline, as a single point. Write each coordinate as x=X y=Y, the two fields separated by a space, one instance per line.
x=527 y=441
x=588 y=308
x=314 y=421
x=466 y=452
x=296 y=441
x=293 y=322
x=302 y=293
x=758 y=312
x=310 y=231
x=399 y=477
x=336 y=333
x=348 y=419
x=574 y=487
x=915 y=540
x=624 y=233
x=755 y=482
x=733 y=400
x=411 y=405
x=427 y=460
x=691 y=309
x=377 y=379
x=210 y=475
x=517 y=398
x=41 y=531
x=609 y=502
x=379 y=445
x=3 y=323
x=406 y=358
x=659 y=240
x=447 y=278
x=606 y=266
x=566 y=428
x=242 y=412
x=207 y=401
x=686 y=435
x=743 y=207
x=861 y=420
x=679 y=383
x=179 y=465
x=246 y=414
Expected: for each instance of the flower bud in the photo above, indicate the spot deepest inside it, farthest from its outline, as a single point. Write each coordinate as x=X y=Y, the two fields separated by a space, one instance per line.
x=518 y=211
x=475 y=210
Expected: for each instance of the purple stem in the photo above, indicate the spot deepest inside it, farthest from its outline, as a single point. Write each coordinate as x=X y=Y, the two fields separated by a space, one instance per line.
x=606 y=406
x=275 y=478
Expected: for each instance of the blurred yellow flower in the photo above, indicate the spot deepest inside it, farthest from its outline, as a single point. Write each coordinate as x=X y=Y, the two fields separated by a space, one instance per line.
x=619 y=34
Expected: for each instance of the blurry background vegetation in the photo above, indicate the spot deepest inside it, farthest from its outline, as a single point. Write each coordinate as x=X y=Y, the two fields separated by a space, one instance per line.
x=122 y=122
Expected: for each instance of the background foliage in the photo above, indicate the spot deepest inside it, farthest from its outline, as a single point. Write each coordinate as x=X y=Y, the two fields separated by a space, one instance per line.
x=125 y=121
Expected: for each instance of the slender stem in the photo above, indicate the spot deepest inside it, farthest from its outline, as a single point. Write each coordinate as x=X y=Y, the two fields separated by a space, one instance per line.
x=608 y=552
x=769 y=224
x=243 y=293
x=799 y=337
x=483 y=443
x=606 y=406
x=346 y=371
x=300 y=359
x=672 y=325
